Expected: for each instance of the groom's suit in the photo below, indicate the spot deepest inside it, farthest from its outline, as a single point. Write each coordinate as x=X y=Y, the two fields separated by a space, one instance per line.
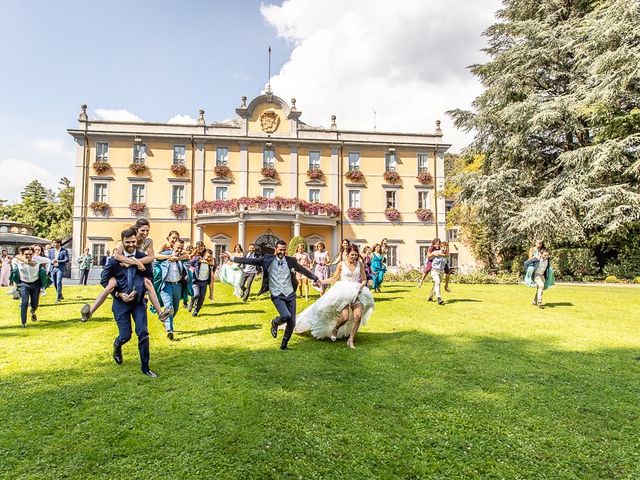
x=278 y=279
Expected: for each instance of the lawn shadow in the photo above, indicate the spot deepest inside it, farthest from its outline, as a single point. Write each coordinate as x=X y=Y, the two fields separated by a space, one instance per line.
x=44 y=322
x=230 y=312
x=558 y=304
x=384 y=299
x=463 y=300
x=184 y=334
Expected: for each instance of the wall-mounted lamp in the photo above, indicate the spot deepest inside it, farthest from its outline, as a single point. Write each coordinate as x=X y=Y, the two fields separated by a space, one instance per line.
x=268 y=145
x=392 y=150
x=137 y=139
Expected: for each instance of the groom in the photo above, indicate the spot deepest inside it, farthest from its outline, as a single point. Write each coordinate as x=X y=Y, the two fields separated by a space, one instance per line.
x=278 y=279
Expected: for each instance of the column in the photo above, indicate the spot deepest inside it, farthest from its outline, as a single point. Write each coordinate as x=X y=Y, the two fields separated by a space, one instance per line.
x=79 y=205
x=243 y=174
x=296 y=229
x=334 y=179
x=334 y=242
x=241 y=232
x=199 y=233
x=293 y=157
x=442 y=221
x=198 y=174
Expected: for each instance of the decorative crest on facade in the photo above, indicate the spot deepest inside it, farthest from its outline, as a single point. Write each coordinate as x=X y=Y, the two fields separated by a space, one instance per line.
x=269 y=122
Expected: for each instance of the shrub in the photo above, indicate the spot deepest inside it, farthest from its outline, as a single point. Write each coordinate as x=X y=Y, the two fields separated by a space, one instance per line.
x=355 y=214
x=179 y=169
x=392 y=214
x=269 y=172
x=627 y=265
x=588 y=278
x=424 y=178
x=392 y=177
x=293 y=245
x=354 y=175
x=138 y=167
x=576 y=262
x=404 y=275
x=636 y=280
x=483 y=277
x=222 y=171
x=611 y=279
x=100 y=166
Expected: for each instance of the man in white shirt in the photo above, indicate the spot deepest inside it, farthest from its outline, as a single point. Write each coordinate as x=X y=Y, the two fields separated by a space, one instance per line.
x=29 y=284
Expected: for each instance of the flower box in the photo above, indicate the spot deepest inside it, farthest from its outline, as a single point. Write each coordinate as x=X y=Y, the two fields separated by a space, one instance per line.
x=222 y=171
x=269 y=172
x=137 y=208
x=355 y=214
x=392 y=177
x=100 y=208
x=179 y=169
x=138 y=168
x=100 y=167
x=425 y=178
x=354 y=175
x=262 y=203
x=392 y=214
x=424 y=214
x=178 y=209
x=315 y=174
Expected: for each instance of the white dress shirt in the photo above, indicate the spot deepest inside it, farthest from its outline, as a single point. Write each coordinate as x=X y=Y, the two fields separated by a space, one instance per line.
x=30 y=273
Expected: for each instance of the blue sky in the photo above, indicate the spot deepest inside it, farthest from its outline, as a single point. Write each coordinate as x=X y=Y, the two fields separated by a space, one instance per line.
x=157 y=59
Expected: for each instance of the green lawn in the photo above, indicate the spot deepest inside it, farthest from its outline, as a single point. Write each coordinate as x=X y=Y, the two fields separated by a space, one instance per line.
x=486 y=386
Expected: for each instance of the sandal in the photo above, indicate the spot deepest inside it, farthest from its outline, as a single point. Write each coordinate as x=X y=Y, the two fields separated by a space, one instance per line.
x=334 y=335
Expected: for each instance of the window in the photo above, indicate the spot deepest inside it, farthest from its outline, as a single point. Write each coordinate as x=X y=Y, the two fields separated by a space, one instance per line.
x=423 y=162
x=424 y=249
x=177 y=194
x=221 y=193
x=179 y=154
x=391 y=198
x=314 y=160
x=392 y=255
x=97 y=252
x=222 y=156
x=268 y=158
x=314 y=194
x=137 y=193
x=4 y=229
x=354 y=198
x=390 y=163
x=423 y=199
x=453 y=235
x=102 y=152
x=354 y=161
x=100 y=192
x=453 y=260
x=219 y=249
x=448 y=205
x=268 y=192
x=139 y=152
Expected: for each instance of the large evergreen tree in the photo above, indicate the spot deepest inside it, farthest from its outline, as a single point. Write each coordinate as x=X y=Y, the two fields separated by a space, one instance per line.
x=558 y=125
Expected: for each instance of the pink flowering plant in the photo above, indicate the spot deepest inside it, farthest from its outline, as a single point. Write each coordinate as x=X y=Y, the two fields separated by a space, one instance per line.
x=178 y=209
x=354 y=175
x=424 y=178
x=392 y=177
x=100 y=208
x=355 y=214
x=179 y=169
x=269 y=172
x=263 y=203
x=392 y=214
x=137 y=208
x=138 y=168
x=100 y=166
x=315 y=174
x=424 y=214
x=222 y=171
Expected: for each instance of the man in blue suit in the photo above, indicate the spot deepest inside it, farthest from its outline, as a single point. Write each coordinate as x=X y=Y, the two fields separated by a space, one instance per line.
x=128 y=300
x=277 y=278
x=59 y=257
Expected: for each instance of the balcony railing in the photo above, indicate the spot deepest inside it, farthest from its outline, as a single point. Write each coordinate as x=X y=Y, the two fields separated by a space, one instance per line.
x=262 y=204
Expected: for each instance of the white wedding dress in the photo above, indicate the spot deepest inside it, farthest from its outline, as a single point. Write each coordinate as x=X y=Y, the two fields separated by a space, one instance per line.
x=320 y=318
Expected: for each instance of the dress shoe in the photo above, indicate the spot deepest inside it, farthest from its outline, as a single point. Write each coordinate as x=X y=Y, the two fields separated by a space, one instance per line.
x=190 y=306
x=34 y=318
x=284 y=347
x=150 y=373
x=170 y=335
x=195 y=313
x=85 y=312
x=440 y=301
x=117 y=354
x=24 y=325
x=274 y=329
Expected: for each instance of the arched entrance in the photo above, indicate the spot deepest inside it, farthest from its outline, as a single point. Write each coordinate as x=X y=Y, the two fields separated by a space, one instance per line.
x=266 y=243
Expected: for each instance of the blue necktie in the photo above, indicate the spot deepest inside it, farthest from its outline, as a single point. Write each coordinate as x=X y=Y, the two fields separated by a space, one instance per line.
x=130 y=276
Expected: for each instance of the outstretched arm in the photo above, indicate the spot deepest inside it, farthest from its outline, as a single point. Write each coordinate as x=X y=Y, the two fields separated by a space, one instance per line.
x=335 y=276
x=300 y=269
x=244 y=260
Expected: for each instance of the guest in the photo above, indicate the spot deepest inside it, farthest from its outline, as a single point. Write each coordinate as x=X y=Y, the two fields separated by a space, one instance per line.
x=321 y=265
x=539 y=274
x=435 y=245
x=249 y=273
x=5 y=268
x=28 y=278
x=128 y=301
x=378 y=268
x=59 y=257
x=84 y=264
x=204 y=269
x=303 y=259
x=438 y=259
x=366 y=260
x=343 y=253
x=38 y=252
x=173 y=280
x=104 y=258
x=231 y=273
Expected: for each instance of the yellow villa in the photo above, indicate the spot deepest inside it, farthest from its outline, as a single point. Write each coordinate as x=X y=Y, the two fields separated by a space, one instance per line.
x=262 y=176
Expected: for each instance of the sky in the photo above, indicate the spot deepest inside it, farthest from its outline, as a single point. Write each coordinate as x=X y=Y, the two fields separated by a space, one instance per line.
x=161 y=61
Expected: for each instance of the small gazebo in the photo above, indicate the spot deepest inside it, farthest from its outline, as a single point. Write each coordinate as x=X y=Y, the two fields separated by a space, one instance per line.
x=14 y=235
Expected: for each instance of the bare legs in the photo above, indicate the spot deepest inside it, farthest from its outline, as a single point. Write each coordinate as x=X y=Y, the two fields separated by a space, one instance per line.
x=344 y=318
x=104 y=294
x=304 y=281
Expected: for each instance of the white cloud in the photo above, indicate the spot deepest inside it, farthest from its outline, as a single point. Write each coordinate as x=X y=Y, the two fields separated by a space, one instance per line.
x=52 y=148
x=183 y=120
x=117 y=115
x=18 y=173
x=407 y=60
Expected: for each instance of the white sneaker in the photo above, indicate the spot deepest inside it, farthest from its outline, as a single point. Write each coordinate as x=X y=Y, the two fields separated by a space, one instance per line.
x=43 y=293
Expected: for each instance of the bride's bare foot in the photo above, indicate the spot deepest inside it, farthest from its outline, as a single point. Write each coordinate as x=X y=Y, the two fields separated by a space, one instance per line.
x=350 y=344
x=334 y=334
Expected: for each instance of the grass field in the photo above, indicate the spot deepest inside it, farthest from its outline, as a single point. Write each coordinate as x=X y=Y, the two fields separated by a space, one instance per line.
x=486 y=386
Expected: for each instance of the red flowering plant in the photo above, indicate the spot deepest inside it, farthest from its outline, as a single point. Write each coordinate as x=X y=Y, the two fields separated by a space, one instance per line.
x=392 y=177
x=178 y=209
x=263 y=203
x=137 y=208
x=392 y=214
x=424 y=214
x=355 y=214
x=100 y=166
x=269 y=172
x=179 y=169
x=100 y=208
x=354 y=175
x=138 y=167
x=315 y=208
x=315 y=174
x=222 y=171
x=424 y=178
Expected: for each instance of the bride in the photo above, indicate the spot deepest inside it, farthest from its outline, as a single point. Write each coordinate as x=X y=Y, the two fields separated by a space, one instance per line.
x=346 y=306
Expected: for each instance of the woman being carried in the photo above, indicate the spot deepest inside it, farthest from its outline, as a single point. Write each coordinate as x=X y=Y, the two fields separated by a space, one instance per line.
x=231 y=273
x=144 y=245
x=346 y=306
